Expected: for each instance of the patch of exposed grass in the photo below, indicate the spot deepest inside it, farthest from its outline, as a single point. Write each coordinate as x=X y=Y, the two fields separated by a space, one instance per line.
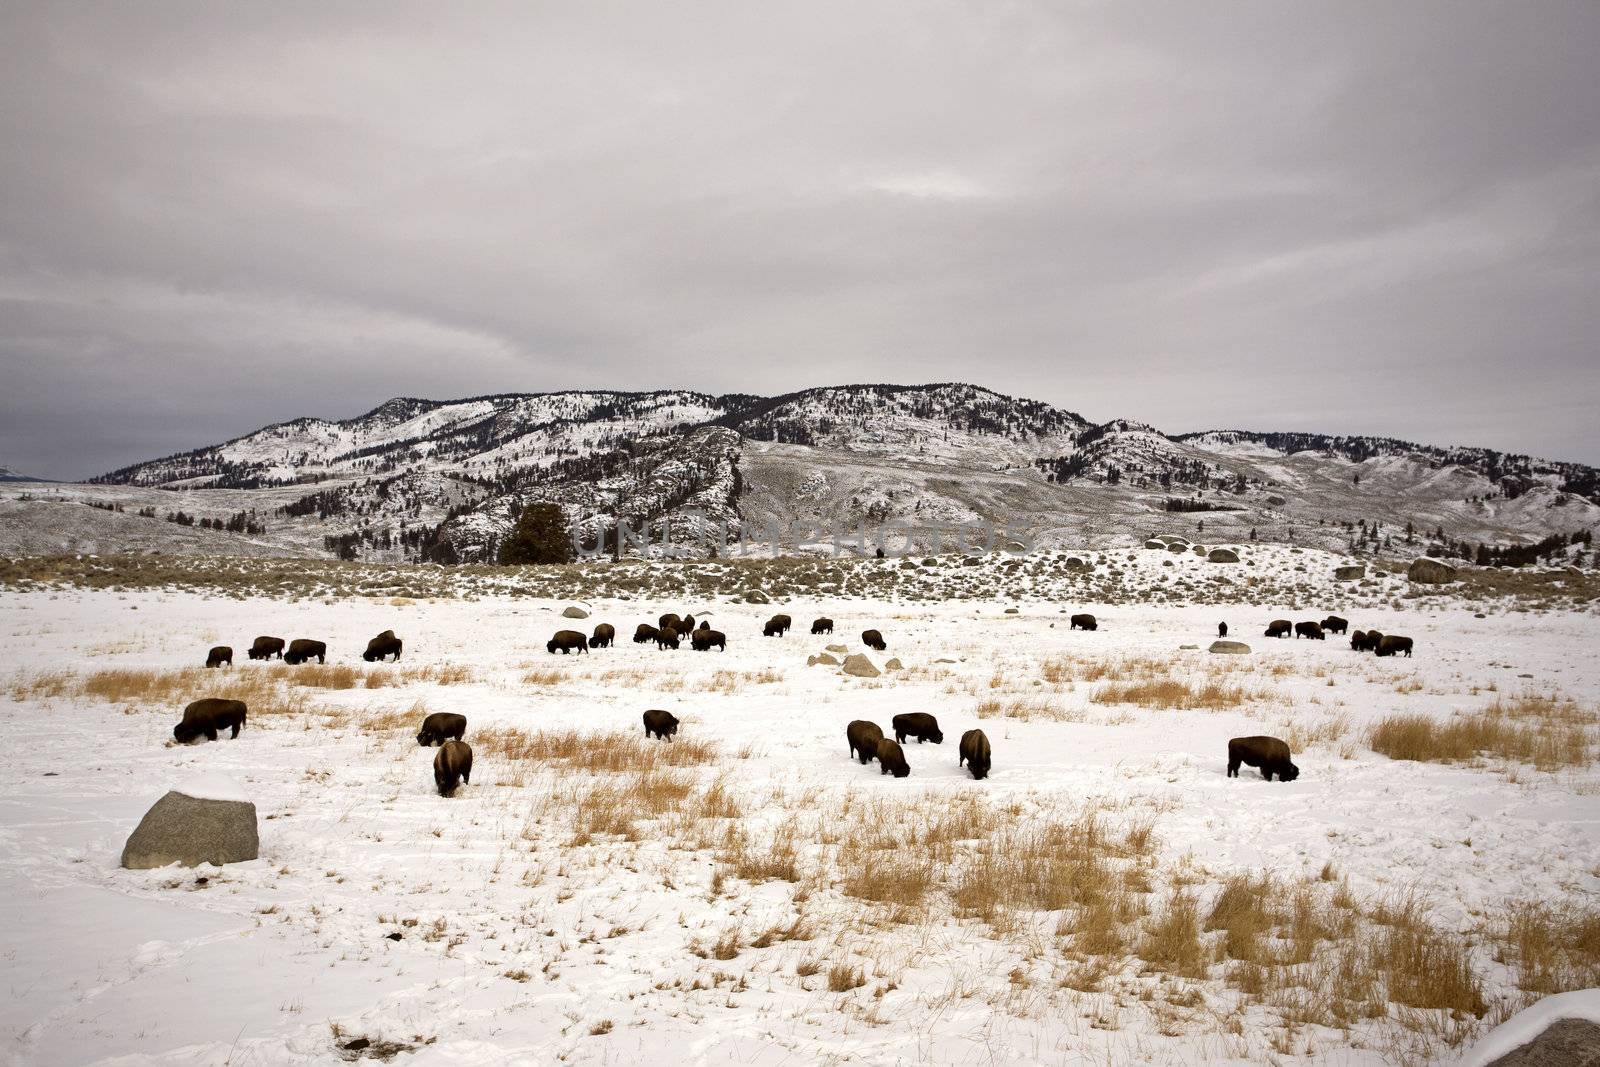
x=1547 y=732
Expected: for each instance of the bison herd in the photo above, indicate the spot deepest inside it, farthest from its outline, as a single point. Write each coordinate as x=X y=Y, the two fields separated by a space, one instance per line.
x=452 y=764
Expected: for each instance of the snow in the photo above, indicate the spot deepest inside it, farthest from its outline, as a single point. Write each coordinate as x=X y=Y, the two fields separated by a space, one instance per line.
x=207 y=786
x=260 y=962
x=1529 y=1023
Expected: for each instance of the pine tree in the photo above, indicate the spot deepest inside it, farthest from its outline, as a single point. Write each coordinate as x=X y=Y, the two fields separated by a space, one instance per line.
x=540 y=536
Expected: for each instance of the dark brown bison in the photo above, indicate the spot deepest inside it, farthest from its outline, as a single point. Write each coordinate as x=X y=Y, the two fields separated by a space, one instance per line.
x=822 y=626
x=660 y=724
x=1279 y=628
x=440 y=727
x=604 y=635
x=667 y=637
x=1267 y=753
x=688 y=624
x=863 y=737
x=207 y=717
x=670 y=619
x=1083 y=622
x=645 y=634
x=1222 y=629
x=892 y=758
x=873 y=639
x=974 y=752
x=776 y=626
x=266 y=648
x=302 y=649
x=1365 y=642
x=1309 y=630
x=383 y=646
x=918 y=724
x=568 y=641
x=219 y=655
x=707 y=639
x=1393 y=645
x=452 y=764
x=1335 y=625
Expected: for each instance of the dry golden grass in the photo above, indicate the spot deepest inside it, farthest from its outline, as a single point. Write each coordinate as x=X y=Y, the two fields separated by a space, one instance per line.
x=761 y=861
x=1547 y=732
x=592 y=751
x=1027 y=710
x=1171 y=941
x=1173 y=694
x=1554 y=947
x=613 y=806
x=170 y=689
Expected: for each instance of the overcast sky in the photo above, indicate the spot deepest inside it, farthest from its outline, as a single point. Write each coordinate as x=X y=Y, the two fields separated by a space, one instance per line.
x=1342 y=217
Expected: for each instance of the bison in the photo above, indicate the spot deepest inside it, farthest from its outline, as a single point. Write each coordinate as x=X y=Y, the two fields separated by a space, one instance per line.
x=440 y=727
x=207 y=717
x=1393 y=645
x=568 y=641
x=1222 y=629
x=702 y=640
x=822 y=626
x=776 y=626
x=892 y=759
x=873 y=640
x=660 y=724
x=1365 y=642
x=1309 y=630
x=219 y=655
x=688 y=624
x=1279 y=628
x=863 y=737
x=384 y=645
x=1083 y=622
x=604 y=635
x=974 y=752
x=302 y=649
x=1267 y=753
x=669 y=619
x=667 y=637
x=645 y=634
x=266 y=648
x=452 y=763
x=918 y=724
x=1335 y=625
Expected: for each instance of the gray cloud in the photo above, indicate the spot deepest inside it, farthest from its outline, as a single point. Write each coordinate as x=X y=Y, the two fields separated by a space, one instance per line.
x=1367 y=218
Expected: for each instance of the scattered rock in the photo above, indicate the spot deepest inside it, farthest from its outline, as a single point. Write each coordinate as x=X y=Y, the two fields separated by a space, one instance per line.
x=1230 y=648
x=756 y=596
x=1186 y=648
x=840 y=649
x=1350 y=573
x=824 y=659
x=191 y=830
x=1222 y=555
x=1479 y=615
x=860 y=666
x=1153 y=543
x=1430 y=571
x=1564 y=1043
x=572 y=611
x=944 y=659
x=893 y=665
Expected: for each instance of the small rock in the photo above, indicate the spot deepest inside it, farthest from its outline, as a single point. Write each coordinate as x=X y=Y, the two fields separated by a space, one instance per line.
x=840 y=649
x=1011 y=611
x=1429 y=571
x=1350 y=573
x=1222 y=555
x=1230 y=648
x=859 y=666
x=572 y=611
x=1186 y=648
x=893 y=665
x=823 y=658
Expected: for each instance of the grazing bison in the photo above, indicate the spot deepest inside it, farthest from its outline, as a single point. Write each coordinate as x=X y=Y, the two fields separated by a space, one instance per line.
x=1309 y=630
x=207 y=717
x=1083 y=622
x=567 y=641
x=1267 y=753
x=266 y=648
x=688 y=624
x=645 y=634
x=440 y=727
x=667 y=637
x=1393 y=645
x=670 y=619
x=302 y=649
x=918 y=724
x=776 y=626
x=1279 y=628
x=452 y=763
x=1222 y=629
x=604 y=635
x=863 y=737
x=706 y=639
x=974 y=753
x=873 y=640
x=1365 y=641
x=660 y=724
x=822 y=626
x=1335 y=625
x=892 y=759
x=219 y=655
x=383 y=646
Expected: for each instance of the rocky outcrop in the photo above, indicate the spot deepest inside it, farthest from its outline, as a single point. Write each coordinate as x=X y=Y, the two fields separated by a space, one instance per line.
x=182 y=828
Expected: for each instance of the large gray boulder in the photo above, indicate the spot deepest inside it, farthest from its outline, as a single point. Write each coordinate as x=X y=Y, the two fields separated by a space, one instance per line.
x=1230 y=648
x=572 y=611
x=1350 y=573
x=1430 y=571
x=860 y=666
x=1564 y=1043
x=209 y=821
x=1222 y=555
x=1153 y=543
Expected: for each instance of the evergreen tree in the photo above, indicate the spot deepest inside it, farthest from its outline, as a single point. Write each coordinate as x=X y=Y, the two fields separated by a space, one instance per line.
x=540 y=536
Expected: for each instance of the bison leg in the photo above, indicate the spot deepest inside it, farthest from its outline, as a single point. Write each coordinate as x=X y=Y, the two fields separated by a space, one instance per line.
x=211 y=733
x=1233 y=768
x=235 y=735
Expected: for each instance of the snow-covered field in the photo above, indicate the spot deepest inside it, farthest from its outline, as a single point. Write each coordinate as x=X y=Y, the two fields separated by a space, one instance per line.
x=507 y=924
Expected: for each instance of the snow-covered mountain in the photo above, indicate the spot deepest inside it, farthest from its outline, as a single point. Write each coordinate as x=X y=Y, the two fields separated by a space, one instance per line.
x=417 y=478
